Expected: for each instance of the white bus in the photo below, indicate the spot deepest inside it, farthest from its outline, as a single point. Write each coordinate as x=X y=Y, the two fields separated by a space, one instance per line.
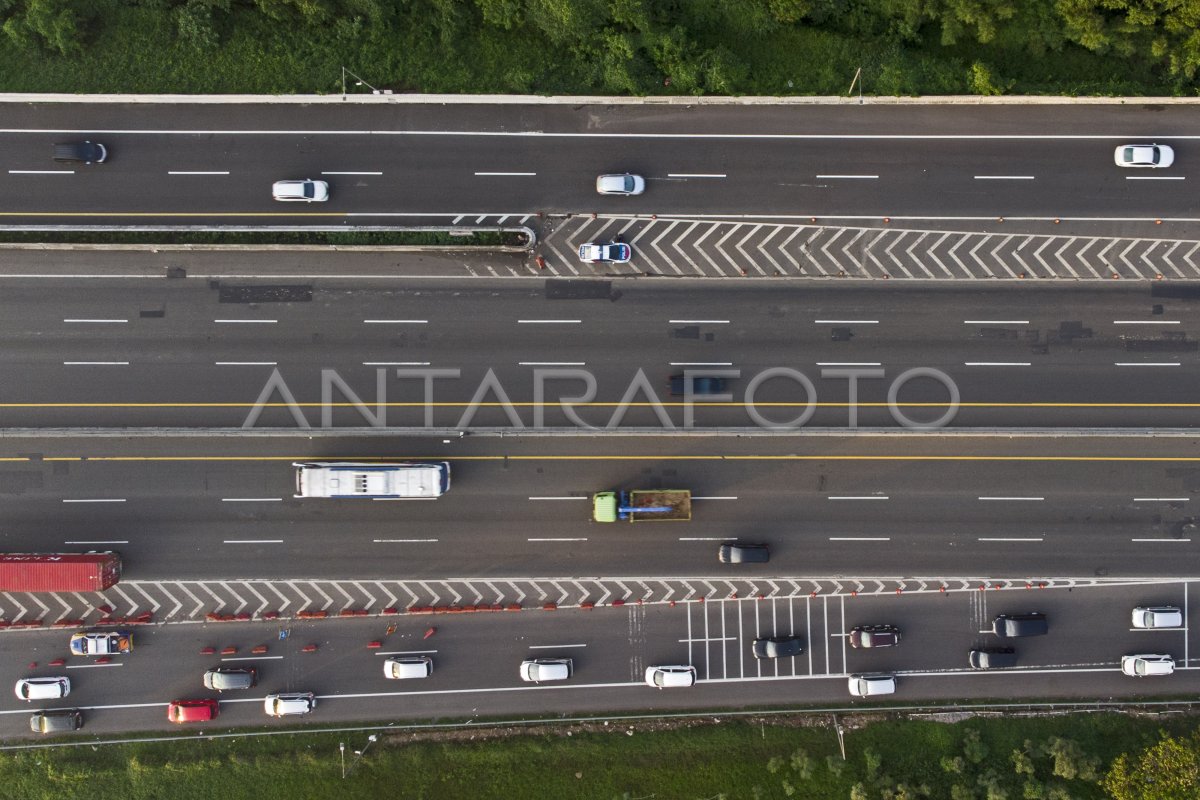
x=372 y=480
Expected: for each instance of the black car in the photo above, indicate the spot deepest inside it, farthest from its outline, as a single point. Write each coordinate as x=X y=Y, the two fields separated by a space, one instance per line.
x=992 y=658
x=734 y=553
x=1010 y=626
x=778 y=647
x=58 y=720
x=700 y=385
x=76 y=152
x=874 y=636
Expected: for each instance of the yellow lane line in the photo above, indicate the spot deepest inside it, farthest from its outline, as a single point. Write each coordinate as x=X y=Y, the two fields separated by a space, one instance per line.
x=789 y=457
x=551 y=405
x=173 y=214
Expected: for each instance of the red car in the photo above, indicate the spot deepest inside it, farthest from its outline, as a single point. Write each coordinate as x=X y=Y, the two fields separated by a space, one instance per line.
x=192 y=710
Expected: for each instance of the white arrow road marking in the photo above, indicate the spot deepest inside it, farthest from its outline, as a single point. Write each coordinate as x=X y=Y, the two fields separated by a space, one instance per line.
x=1083 y=252
x=725 y=255
x=583 y=592
x=349 y=599
x=625 y=592
x=933 y=255
x=1170 y=263
x=154 y=605
x=17 y=603
x=1059 y=255
x=83 y=601
x=262 y=600
x=690 y=588
x=478 y=594
x=858 y=587
x=646 y=590
x=1037 y=254
x=219 y=603
x=392 y=601
x=457 y=597
x=371 y=599
x=699 y=270
x=562 y=597
x=1188 y=257
x=225 y=585
x=668 y=590
x=1125 y=257
x=415 y=599
x=887 y=251
x=783 y=248
x=66 y=608
x=919 y=262
x=704 y=254
x=973 y=254
x=1102 y=255
x=605 y=593
x=1021 y=261
x=732 y=590
x=434 y=595
x=995 y=254
x=317 y=588
x=45 y=608
x=286 y=602
x=824 y=248
x=499 y=595
x=659 y=238
x=132 y=604
x=796 y=590
x=199 y=603
x=879 y=587
x=517 y=589
x=762 y=248
x=712 y=590
x=855 y=263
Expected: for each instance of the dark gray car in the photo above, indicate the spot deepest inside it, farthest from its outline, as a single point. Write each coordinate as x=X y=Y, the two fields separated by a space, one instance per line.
x=1010 y=626
x=992 y=658
x=80 y=152
x=778 y=647
x=222 y=679
x=58 y=720
x=734 y=553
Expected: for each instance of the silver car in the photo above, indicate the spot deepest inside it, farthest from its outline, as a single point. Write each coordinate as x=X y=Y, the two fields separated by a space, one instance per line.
x=305 y=191
x=1157 y=617
x=536 y=670
x=624 y=184
x=289 y=704
x=58 y=720
x=1152 y=156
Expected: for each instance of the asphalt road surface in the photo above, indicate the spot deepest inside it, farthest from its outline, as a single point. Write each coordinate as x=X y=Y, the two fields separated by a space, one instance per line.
x=189 y=353
x=475 y=659
x=206 y=165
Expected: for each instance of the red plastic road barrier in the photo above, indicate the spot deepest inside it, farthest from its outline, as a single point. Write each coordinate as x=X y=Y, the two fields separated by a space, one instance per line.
x=145 y=616
x=429 y=632
x=270 y=615
x=58 y=662
x=420 y=610
x=391 y=610
x=587 y=604
x=352 y=612
x=549 y=606
x=312 y=614
x=104 y=609
x=308 y=648
x=242 y=617
x=258 y=649
x=4 y=623
x=102 y=660
x=374 y=645
x=617 y=603
x=32 y=665
x=513 y=607
x=228 y=651
x=207 y=651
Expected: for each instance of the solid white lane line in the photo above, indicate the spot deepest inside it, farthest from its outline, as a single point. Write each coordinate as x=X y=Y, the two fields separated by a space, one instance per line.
x=97 y=541
x=1160 y=540
x=551 y=363
x=997 y=363
x=1161 y=499
x=95 y=363
x=553 y=646
x=851 y=177
x=395 y=321
x=1009 y=539
x=701 y=364
x=696 y=174
x=860 y=538
x=250 y=321
x=729 y=497
x=351 y=173
x=95 y=320
x=848 y=364
x=707 y=538
x=402 y=541
x=558 y=498
x=172 y=172
x=395 y=363
x=1154 y=177
x=1010 y=498
x=698 y=321
x=995 y=322
x=1004 y=177
x=97 y=500
x=253 y=541
x=245 y=363
x=404 y=652
x=251 y=499
x=252 y=658
x=845 y=322
x=583 y=539
x=1146 y=363
x=95 y=666
x=506 y=174
x=859 y=497
x=549 y=321
x=1145 y=322
x=41 y=172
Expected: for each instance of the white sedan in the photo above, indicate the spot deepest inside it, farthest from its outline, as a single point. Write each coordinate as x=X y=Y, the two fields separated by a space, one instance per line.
x=625 y=184
x=305 y=191
x=1154 y=156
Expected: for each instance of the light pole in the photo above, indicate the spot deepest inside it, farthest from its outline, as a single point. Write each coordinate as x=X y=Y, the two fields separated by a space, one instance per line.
x=342 y=750
x=360 y=82
x=358 y=754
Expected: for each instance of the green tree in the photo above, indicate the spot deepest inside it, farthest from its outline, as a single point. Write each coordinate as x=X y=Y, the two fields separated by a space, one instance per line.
x=1070 y=761
x=1167 y=770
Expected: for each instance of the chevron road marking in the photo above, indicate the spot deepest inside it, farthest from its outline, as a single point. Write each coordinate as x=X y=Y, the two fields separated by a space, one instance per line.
x=457 y=597
x=317 y=588
x=154 y=606
x=1037 y=254
x=762 y=248
x=262 y=600
x=1082 y=252
x=933 y=254
x=132 y=603
x=659 y=238
x=676 y=245
x=217 y=601
x=973 y=253
x=1058 y=254
x=1167 y=258
x=1104 y=253
x=704 y=253
x=824 y=248
x=236 y=596
x=65 y=606
x=732 y=230
x=45 y=608
x=1125 y=258
x=434 y=596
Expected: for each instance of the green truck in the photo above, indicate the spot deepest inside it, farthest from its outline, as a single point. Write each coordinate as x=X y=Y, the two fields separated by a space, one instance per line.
x=648 y=505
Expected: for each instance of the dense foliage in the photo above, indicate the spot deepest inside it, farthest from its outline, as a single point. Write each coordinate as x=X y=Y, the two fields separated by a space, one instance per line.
x=604 y=46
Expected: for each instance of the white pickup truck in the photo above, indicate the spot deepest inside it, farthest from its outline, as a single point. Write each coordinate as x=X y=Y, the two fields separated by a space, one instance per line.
x=381 y=480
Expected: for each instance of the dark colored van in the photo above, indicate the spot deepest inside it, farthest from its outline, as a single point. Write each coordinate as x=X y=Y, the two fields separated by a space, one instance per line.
x=992 y=658
x=734 y=553
x=1010 y=626
x=80 y=152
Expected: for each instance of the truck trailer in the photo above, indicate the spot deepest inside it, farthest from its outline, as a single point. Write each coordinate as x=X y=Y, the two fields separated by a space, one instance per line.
x=58 y=572
x=646 y=505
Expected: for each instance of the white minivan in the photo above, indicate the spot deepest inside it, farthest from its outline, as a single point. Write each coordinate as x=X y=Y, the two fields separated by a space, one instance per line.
x=670 y=677
x=872 y=685
x=408 y=667
x=536 y=670
x=1146 y=664
x=42 y=688
x=1157 y=617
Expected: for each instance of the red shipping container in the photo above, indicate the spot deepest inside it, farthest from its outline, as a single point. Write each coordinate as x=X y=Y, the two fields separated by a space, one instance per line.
x=58 y=572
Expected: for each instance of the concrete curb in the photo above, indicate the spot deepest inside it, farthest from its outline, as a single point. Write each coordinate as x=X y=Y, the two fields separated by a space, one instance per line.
x=526 y=99
x=509 y=433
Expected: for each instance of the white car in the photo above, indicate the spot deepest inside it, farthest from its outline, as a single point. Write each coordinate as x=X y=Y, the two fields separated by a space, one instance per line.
x=871 y=685
x=1157 y=617
x=605 y=252
x=670 y=677
x=625 y=184
x=1154 y=156
x=305 y=191
x=1140 y=666
x=42 y=688
x=290 y=704
x=536 y=670
x=408 y=667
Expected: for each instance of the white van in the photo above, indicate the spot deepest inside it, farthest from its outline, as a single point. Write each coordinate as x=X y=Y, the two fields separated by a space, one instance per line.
x=1141 y=666
x=1157 y=617
x=536 y=670
x=408 y=667
x=290 y=704
x=872 y=685
x=670 y=677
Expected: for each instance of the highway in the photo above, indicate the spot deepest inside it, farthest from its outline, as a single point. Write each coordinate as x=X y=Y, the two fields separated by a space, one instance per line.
x=173 y=165
x=195 y=353
x=475 y=659
x=219 y=508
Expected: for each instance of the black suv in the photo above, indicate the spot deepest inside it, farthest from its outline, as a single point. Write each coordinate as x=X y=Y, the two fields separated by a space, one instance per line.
x=85 y=152
x=1010 y=626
